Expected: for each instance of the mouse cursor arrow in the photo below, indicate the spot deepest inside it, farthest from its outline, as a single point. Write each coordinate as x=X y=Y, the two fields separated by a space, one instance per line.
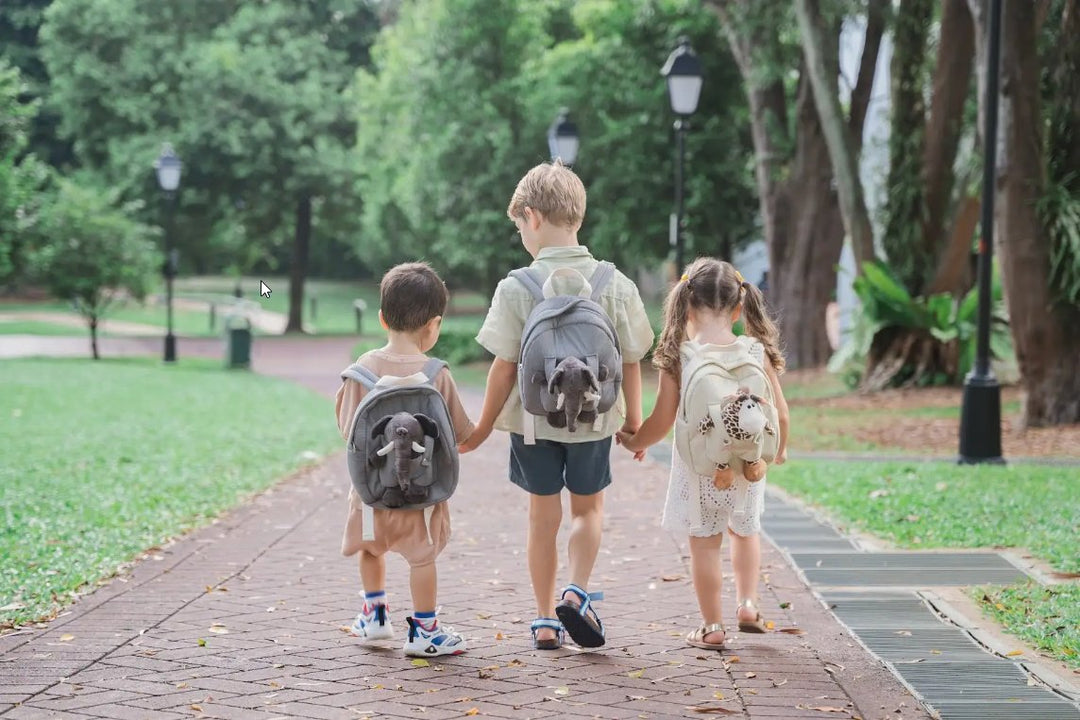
x=264 y=289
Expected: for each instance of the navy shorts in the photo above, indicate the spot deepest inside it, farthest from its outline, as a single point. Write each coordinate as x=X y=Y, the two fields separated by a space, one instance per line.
x=548 y=466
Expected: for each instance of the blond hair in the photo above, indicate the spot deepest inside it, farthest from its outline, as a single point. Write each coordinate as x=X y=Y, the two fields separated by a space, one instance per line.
x=717 y=286
x=553 y=190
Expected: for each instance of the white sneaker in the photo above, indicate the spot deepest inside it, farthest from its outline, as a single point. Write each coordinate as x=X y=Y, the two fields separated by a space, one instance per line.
x=432 y=643
x=373 y=623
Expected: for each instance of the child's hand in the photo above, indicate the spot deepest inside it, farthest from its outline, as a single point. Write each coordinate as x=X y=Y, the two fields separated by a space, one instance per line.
x=479 y=435
x=625 y=439
x=781 y=457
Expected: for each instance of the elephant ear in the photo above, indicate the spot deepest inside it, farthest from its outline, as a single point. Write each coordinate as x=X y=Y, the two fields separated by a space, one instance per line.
x=603 y=373
x=591 y=379
x=429 y=426
x=555 y=380
x=380 y=427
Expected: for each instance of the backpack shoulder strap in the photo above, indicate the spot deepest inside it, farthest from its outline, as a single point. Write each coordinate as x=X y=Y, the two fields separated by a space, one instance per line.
x=601 y=278
x=531 y=282
x=432 y=368
x=360 y=374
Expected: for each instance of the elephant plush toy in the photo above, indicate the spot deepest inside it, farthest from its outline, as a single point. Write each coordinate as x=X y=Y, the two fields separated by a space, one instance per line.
x=578 y=393
x=410 y=438
x=744 y=423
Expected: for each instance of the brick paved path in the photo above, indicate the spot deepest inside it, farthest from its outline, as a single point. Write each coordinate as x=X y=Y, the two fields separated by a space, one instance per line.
x=243 y=619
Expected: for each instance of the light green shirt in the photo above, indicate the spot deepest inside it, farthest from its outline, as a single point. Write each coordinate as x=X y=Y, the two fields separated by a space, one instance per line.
x=505 y=321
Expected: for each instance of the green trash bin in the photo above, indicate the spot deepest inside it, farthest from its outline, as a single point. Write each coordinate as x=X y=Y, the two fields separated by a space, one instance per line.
x=237 y=341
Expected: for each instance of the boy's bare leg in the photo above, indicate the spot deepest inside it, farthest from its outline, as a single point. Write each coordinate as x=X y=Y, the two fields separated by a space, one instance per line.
x=372 y=571
x=424 y=584
x=587 y=512
x=545 y=515
x=707 y=574
x=746 y=564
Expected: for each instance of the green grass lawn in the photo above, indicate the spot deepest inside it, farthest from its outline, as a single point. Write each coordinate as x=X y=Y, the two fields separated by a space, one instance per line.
x=105 y=459
x=33 y=327
x=189 y=323
x=934 y=505
x=1046 y=617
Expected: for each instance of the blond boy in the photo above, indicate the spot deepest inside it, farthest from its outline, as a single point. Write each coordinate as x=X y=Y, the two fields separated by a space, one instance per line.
x=548 y=207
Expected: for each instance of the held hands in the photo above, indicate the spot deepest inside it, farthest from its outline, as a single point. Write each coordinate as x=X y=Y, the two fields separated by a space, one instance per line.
x=480 y=433
x=781 y=457
x=626 y=437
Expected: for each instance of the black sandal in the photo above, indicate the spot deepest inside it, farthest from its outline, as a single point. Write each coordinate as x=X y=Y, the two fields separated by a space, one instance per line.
x=581 y=621
x=552 y=643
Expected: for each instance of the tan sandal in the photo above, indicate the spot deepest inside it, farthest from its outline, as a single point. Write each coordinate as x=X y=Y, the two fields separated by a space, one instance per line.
x=696 y=638
x=757 y=625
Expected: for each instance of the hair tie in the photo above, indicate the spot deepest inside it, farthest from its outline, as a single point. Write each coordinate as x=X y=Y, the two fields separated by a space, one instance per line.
x=684 y=278
x=739 y=277
x=744 y=285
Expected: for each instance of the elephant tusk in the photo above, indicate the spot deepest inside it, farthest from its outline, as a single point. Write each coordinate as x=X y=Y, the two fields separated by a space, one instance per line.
x=592 y=397
x=418 y=447
x=560 y=401
x=386 y=450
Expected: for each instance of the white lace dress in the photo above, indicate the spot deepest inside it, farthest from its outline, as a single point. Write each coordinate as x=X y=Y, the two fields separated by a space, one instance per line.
x=739 y=507
x=695 y=506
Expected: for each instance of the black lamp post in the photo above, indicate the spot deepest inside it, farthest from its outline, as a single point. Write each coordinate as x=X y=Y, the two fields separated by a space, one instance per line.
x=683 y=73
x=168 y=174
x=980 y=416
x=563 y=141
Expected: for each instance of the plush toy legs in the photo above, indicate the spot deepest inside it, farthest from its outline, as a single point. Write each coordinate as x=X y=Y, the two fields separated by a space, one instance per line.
x=724 y=477
x=754 y=471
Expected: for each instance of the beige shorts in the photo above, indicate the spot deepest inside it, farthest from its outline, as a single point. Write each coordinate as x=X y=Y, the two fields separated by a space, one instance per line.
x=400 y=531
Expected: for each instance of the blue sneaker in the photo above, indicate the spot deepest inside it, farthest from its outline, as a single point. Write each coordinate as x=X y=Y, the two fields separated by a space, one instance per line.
x=432 y=643
x=373 y=623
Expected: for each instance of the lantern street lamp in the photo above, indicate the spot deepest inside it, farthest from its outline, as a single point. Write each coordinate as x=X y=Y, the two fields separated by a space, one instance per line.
x=683 y=73
x=168 y=167
x=563 y=139
x=980 y=415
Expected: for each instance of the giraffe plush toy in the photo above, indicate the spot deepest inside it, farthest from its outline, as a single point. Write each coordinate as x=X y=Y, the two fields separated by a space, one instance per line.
x=745 y=425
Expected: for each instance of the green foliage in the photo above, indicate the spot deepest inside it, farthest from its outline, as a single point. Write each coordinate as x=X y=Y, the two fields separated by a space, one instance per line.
x=1047 y=617
x=439 y=169
x=94 y=251
x=1059 y=209
x=253 y=95
x=139 y=464
x=886 y=304
x=928 y=505
x=459 y=347
x=24 y=180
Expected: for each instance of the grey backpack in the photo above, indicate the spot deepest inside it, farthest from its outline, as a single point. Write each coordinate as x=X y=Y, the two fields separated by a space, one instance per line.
x=402 y=452
x=570 y=368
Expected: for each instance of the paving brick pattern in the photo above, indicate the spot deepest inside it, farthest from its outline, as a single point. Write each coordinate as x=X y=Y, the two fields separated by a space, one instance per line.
x=244 y=619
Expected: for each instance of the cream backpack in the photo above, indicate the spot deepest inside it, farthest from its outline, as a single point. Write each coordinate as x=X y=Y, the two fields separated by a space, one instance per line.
x=727 y=418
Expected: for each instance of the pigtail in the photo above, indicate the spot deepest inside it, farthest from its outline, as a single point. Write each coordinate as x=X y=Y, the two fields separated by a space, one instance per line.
x=761 y=326
x=666 y=357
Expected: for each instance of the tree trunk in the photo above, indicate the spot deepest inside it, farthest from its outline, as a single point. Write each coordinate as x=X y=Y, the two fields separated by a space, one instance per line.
x=93 y=337
x=952 y=79
x=864 y=84
x=1047 y=344
x=819 y=48
x=298 y=268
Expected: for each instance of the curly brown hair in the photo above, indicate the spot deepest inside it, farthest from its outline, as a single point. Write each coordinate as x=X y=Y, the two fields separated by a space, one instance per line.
x=715 y=285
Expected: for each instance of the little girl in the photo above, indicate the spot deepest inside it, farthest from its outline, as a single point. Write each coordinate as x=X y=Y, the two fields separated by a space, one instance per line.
x=702 y=307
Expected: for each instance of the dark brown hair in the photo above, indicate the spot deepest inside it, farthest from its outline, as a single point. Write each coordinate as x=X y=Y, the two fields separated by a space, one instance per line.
x=410 y=295
x=712 y=284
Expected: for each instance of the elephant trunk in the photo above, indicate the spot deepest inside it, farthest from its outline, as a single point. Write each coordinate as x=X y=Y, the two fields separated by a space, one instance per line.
x=403 y=454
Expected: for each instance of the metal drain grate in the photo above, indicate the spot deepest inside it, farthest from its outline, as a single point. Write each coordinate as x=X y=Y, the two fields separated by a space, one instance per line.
x=911 y=577
x=1001 y=710
x=918 y=560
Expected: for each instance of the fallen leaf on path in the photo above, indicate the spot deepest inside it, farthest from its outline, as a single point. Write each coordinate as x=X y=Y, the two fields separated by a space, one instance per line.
x=421 y=662
x=671 y=578
x=483 y=616
x=718 y=695
x=733 y=659
x=822 y=708
x=751 y=675
x=515 y=663
x=562 y=691
x=485 y=674
x=219 y=628
x=182 y=685
x=635 y=697
x=1014 y=653
x=196 y=708
x=274 y=684
x=472 y=711
x=635 y=673
x=935 y=652
x=202 y=643
x=67 y=637
x=782 y=683
x=713 y=710
x=769 y=625
x=499 y=636
x=792 y=631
